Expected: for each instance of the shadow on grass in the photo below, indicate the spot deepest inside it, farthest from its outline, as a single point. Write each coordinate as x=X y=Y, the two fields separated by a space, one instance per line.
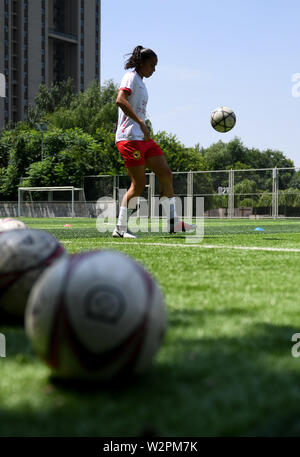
x=91 y=233
x=197 y=316
x=199 y=386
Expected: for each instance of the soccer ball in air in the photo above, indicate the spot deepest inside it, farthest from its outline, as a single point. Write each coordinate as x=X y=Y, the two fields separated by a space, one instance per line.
x=222 y=119
x=24 y=254
x=95 y=316
x=9 y=223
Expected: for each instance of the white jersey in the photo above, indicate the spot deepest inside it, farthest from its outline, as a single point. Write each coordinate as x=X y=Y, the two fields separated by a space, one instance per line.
x=128 y=129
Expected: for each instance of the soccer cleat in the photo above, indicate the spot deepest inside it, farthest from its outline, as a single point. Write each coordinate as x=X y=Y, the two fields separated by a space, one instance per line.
x=118 y=233
x=181 y=226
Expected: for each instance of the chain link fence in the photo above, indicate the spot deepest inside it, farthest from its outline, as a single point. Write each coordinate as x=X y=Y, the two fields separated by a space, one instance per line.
x=245 y=193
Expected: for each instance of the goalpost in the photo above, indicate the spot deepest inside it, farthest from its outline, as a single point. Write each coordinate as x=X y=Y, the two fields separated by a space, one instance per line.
x=48 y=189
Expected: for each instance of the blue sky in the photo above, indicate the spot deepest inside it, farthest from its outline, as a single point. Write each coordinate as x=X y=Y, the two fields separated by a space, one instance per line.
x=232 y=53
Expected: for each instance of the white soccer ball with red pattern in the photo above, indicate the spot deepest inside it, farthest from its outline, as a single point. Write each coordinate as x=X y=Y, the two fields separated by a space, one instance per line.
x=96 y=315
x=24 y=255
x=9 y=223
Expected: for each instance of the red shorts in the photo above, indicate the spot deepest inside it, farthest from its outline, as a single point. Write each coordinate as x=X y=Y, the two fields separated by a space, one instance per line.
x=137 y=152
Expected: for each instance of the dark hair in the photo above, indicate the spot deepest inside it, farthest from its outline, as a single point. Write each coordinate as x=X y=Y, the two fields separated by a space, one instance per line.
x=138 y=56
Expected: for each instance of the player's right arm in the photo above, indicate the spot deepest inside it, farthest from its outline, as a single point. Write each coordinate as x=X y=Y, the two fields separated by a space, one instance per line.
x=123 y=103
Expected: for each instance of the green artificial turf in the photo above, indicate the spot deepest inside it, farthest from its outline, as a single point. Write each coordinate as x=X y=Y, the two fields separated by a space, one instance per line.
x=225 y=366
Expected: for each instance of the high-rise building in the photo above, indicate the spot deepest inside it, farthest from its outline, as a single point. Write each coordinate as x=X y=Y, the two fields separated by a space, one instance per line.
x=45 y=41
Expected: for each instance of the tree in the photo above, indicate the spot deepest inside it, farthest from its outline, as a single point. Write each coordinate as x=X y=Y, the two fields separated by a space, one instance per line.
x=179 y=157
x=289 y=202
x=295 y=181
x=244 y=193
x=49 y=99
x=222 y=156
x=264 y=204
x=89 y=110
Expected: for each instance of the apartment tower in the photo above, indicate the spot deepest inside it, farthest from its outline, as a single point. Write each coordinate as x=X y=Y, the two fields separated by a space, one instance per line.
x=46 y=41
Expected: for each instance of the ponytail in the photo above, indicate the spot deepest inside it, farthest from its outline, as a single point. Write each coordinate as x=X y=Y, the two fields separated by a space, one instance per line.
x=138 y=56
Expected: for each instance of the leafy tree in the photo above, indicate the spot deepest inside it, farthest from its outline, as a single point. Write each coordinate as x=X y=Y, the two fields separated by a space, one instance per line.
x=89 y=110
x=111 y=160
x=222 y=156
x=216 y=156
x=285 y=179
x=178 y=156
x=246 y=202
x=247 y=186
x=264 y=203
x=49 y=99
x=289 y=202
x=5 y=146
x=295 y=180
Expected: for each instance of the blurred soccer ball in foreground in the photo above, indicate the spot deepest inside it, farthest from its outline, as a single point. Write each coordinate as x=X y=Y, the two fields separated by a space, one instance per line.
x=95 y=316
x=24 y=254
x=223 y=119
x=9 y=223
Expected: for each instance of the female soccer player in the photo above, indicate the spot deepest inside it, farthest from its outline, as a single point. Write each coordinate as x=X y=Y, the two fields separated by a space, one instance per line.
x=136 y=146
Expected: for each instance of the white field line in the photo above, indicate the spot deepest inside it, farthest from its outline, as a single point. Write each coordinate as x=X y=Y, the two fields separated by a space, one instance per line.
x=215 y=246
x=201 y=246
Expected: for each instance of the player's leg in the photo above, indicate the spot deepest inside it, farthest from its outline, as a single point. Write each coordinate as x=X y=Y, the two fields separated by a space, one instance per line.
x=134 y=159
x=138 y=181
x=159 y=166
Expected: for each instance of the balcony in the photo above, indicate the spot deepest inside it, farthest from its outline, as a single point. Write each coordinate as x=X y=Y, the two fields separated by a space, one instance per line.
x=67 y=37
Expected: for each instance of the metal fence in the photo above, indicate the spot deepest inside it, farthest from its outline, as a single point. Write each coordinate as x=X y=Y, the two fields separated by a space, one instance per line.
x=245 y=193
